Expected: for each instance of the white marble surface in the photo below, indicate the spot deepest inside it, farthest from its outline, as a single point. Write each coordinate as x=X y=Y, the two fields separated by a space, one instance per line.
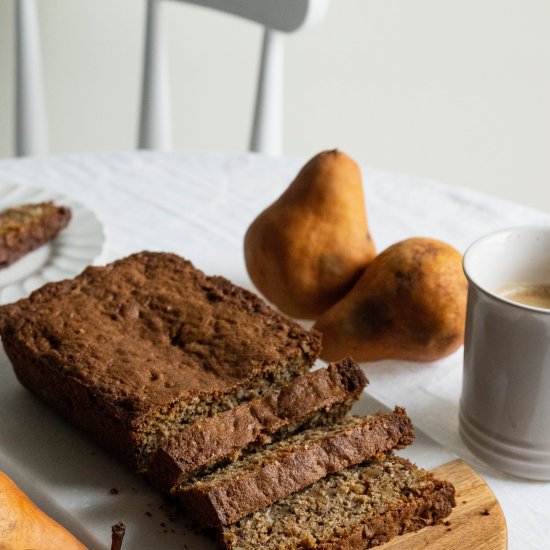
x=199 y=205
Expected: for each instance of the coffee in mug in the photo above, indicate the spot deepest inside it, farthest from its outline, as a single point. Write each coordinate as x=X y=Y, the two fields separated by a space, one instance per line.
x=504 y=415
x=535 y=295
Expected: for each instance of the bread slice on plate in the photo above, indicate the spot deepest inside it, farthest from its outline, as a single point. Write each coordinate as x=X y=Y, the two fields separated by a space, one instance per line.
x=26 y=227
x=259 y=479
x=357 y=508
x=317 y=398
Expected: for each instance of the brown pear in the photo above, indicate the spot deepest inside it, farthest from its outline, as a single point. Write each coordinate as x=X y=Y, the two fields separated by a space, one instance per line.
x=410 y=303
x=24 y=526
x=306 y=250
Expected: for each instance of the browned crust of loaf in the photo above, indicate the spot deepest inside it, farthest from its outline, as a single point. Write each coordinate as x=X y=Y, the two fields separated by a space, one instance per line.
x=293 y=469
x=119 y=345
x=428 y=509
x=26 y=227
x=212 y=440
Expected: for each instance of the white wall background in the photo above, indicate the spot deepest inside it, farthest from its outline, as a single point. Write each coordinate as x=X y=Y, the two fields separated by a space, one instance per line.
x=455 y=91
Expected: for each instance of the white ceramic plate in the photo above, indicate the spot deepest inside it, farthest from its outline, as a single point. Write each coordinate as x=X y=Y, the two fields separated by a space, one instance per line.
x=80 y=244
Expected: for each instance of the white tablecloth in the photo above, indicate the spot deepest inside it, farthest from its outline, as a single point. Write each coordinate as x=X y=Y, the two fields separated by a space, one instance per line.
x=200 y=204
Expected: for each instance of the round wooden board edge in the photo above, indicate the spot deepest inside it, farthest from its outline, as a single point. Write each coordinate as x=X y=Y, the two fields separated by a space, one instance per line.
x=477 y=521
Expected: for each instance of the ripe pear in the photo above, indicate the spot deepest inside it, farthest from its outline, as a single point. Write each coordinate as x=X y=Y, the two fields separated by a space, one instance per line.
x=306 y=250
x=24 y=526
x=410 y=303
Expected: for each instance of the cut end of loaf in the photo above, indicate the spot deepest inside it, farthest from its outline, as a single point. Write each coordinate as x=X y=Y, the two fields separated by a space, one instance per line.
x=167 y=422
x=317 y=398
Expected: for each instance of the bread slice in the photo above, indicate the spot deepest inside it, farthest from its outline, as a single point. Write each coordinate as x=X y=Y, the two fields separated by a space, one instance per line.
x=257 y=480
x=360 y=507
x=314 y=399
x=26 y=227
x=134 y=350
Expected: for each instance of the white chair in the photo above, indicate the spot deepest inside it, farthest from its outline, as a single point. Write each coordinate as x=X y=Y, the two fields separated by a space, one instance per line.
x=277 y=16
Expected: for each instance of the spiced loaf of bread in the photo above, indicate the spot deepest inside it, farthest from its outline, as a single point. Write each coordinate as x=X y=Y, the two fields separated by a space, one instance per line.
x=26 y=227
x=277 y=470
x=314 y=399
x=357 y=508
x=132 y=351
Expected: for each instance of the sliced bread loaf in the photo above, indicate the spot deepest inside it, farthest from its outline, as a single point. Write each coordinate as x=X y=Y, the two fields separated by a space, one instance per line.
x=314 y=399
x=133 y=350
x=360 y=507
x=259 y=479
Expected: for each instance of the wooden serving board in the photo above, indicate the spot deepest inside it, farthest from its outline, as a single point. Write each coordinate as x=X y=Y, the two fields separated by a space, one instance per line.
x=477 y=521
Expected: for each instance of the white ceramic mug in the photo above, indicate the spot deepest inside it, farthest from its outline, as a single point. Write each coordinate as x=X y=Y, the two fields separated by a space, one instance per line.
x=505 y=404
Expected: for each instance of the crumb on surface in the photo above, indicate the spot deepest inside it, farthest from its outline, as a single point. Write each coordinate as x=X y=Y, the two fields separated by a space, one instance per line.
x=113 y=491
x=148 y=514
x=169 y=510
x=485 y=512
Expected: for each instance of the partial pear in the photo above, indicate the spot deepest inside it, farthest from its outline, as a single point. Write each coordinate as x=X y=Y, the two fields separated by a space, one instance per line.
x=410 y=303
x=306 y=250
x=23 y=526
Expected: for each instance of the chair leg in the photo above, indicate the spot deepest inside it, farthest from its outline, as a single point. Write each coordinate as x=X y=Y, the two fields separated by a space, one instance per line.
x=155 y=123
x=267 y=128
x=30 y=118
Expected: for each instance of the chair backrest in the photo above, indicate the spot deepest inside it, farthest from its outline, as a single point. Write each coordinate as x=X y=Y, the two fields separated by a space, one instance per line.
x=277 y=16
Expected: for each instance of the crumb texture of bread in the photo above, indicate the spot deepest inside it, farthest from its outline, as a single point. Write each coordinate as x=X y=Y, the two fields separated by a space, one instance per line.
x=24 y=228
x=133 y=350
x=357 y=508
x=275 y=471
x=317 y=398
